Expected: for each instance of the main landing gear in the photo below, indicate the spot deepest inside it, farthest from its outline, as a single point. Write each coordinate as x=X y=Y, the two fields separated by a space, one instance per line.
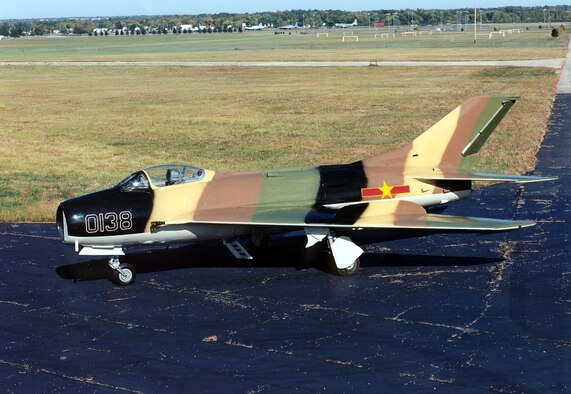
x=122 y=274
x=349 y=271
x=344 y=253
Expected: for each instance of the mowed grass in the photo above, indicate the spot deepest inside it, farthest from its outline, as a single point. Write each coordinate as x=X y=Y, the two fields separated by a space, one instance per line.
x=67 y=131
x=297 y=46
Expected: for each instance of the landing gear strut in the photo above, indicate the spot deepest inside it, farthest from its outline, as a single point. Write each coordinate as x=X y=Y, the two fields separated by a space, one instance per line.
x=122 y=274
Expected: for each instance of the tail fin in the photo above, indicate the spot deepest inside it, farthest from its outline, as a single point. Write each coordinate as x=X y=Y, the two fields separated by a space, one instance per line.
x=461 y=133
x=450 y=142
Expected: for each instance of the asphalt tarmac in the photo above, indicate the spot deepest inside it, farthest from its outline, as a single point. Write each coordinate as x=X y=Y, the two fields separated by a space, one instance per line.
x=455 y=312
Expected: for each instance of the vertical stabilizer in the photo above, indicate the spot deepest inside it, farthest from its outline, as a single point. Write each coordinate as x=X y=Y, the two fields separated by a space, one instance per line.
x=450 y=142
x=461 y=133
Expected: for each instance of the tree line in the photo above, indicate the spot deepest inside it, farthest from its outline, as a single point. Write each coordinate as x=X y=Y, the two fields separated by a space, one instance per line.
x=314 y=18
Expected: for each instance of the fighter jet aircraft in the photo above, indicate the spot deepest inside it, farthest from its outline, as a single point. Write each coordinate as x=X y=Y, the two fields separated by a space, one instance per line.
x=386 y=196
x=346 y=25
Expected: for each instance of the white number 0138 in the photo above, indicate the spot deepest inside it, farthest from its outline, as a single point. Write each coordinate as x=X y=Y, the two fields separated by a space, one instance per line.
x=108 y=222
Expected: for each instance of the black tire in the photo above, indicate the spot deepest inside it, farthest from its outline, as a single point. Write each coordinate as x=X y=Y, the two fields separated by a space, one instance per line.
x=124 y=278
x=351 y=271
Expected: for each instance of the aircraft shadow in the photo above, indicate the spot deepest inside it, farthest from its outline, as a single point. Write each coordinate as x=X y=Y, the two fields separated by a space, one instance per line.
x=291 y=254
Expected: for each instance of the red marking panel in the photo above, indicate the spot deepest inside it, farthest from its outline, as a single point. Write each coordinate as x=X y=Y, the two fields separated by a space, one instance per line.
x=400 y=189
x=377 y=192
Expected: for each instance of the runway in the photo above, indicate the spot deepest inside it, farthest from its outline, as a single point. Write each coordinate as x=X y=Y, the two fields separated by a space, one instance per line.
x=549 y=63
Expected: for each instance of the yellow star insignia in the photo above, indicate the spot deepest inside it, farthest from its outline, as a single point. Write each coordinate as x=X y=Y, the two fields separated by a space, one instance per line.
x=386 y=189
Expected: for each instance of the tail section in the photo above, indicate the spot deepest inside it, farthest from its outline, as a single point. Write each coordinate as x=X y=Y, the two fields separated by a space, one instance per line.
x=461 y=133
x=443 y=151
x=450 y=142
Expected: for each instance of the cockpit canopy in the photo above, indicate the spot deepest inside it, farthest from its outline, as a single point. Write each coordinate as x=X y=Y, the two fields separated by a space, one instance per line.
x=173 y=174
x=161 y=176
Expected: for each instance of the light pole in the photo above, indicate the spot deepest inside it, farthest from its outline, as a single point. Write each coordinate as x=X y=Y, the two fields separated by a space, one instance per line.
x=369 y=15
x=475 y=17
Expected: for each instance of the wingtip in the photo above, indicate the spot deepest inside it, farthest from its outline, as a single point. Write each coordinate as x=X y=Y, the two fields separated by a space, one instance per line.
x=525 y=224
x=532 y=179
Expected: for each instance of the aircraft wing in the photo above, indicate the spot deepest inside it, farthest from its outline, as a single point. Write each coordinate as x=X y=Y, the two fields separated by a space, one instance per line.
x=327 y=224
x=409 y=215
x=390 y=214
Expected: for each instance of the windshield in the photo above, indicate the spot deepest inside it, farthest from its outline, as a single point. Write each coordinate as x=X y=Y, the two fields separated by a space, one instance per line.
x=173 y=174
x=136 y=181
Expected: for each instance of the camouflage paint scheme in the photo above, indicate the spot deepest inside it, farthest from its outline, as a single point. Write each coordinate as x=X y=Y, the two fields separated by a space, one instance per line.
x=387 y=192
x=432 y=164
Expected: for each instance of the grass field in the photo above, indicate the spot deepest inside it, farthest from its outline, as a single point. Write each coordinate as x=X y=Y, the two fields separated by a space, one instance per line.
x=72 y=130
x=299 y=46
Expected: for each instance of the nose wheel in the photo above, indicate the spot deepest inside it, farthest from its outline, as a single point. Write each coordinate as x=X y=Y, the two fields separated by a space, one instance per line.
x=122 y=274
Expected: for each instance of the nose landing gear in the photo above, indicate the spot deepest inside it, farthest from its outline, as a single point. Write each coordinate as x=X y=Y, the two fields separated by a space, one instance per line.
x=122 y=274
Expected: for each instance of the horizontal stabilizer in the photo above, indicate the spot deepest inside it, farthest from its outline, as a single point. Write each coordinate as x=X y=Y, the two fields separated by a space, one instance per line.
x=461 y=175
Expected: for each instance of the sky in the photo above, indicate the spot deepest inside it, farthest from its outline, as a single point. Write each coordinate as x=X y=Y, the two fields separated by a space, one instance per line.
x=28 y=9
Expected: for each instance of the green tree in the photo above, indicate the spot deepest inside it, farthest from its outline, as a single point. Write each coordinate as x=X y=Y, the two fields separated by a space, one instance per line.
x=4 y=29
x=19 y=29
x=79 y=29
x=38 y=30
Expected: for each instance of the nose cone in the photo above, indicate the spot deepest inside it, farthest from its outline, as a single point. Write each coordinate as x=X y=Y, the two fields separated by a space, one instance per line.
x=61 y=223
x=104 y=213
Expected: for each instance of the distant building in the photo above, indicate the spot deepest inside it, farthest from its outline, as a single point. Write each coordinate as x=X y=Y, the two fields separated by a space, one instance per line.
x=379 y=24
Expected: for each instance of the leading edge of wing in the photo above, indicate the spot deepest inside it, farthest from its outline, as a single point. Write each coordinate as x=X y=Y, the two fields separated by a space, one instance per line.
x=393 y=214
